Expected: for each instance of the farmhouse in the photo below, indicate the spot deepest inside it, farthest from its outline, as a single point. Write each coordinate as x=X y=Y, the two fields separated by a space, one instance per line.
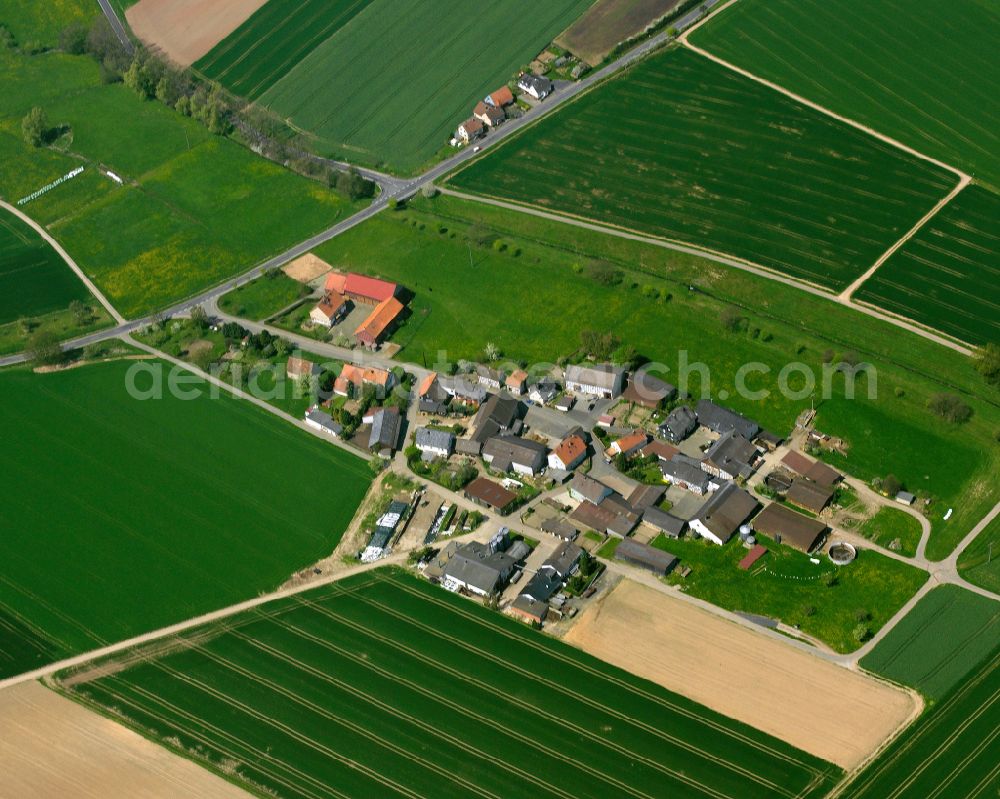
x=570 y=453
x=465 y=390
x=491 y=495
x=645 y=557
x=730 y=457
x=645 y=496
x=604 y=518
x=431 y=396
x=479 y=568
x=511 y=453
x=628 y=445
x=797 y=462
x=602 y=380
x=323 y=422
x=722 y=420
x=809 y=495
x=788 y=527
x=535 y=85
x=298 y=368
x=517 y=382
x=489 y=115
x=532 y=604
x=679 y=424
x=385 y=430
x=664 y=452
x=648 y=391
x=470 y=130
x=721 y=516
x=468 y=446
x=817 y=471
x=379 y=323
x=679 y=472
x=434 y=443
x=663 y=522
x=501 y=98
x=330 y=310
x=355 y=378
x=497 y=415
x=560 y=528
x=489 y=377
x=361 y=288
x=544 y=391
x=584 y=488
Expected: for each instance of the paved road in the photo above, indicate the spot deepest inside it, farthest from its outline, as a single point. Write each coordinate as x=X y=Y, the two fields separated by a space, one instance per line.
x=116 y=24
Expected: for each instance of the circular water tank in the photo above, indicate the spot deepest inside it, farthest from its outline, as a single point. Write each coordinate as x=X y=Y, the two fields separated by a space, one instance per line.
x=745 y=530
x=841 y=553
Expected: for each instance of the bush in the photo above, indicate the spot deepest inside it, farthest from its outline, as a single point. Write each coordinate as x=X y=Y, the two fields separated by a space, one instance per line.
x=73 y=39
x=731 y=319
x=862 y=633
x=987 y=362
x=35 y=127
x=352 y=185
x=891 y=485
x=604 y=273
x=44 y=348
x=949 y=407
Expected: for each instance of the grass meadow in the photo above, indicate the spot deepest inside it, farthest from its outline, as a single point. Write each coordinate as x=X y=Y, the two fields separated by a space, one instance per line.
x=383 y=684
x=34 y=23
x=263 y=297
x=948 y=275
x=34 y=279
x=921 y=71
x=684 y=149
x=787 y=586
x=945 y=636
x=194 y=210
x=892 y=524
x=949 y=751
x=390 y=87
x=980 y=562
x=532 y=294
x=121 y=516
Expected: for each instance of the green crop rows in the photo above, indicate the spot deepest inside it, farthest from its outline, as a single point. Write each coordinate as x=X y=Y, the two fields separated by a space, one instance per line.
x=33 y=278
x=391 y=86
x=385 y=685
x=951 y=751
x=121 y=516
x=939 y=642
x=685 y=149
x=948 y=275
x=273 y=41
x=921 y=71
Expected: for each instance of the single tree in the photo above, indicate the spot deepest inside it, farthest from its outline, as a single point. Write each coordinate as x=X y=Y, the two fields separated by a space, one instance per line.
x=987 y=362
x=35 y=127
x=949 y=407
x=891 y=485
x=731 y=319
x=81 y=313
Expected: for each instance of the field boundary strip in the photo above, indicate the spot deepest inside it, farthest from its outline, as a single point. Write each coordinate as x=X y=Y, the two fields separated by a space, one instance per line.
x=636 y=690
x=434 y=663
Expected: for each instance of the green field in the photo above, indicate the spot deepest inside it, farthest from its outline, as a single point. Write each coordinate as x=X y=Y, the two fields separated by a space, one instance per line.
x=685 y=149
x=892 y=524
x=980 y=562
x=390 y=86
x=35 y=23
x=122 y=516
x=34 y=280
x=788 y=587
x=951 y=751
x=948 y=633
x=194 y=210
x=263 y=297
x=383 y=684
x=275 y=38
x=459 y=307
x=921 y=71
x=948 y=275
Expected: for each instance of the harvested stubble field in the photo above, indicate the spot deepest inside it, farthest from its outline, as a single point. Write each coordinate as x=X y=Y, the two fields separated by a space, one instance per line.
x=122 y=516
x=194 y=210
x=685 y=149
x=948 y=275
x=34 y=280
x=384 y=684
x=939 y=641
x=184 y=30
x=921 y=71
x=816 y=706
x=951 y=751
x=388 y=82
x=53 y=747
x=608 y=22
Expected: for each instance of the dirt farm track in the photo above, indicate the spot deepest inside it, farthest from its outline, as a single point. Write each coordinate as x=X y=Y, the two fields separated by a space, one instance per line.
x=52 y=747
x=824 y=709
x=184 y=30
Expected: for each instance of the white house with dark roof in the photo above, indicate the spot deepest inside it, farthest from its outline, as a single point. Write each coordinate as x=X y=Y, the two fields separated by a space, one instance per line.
x=434 y=443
